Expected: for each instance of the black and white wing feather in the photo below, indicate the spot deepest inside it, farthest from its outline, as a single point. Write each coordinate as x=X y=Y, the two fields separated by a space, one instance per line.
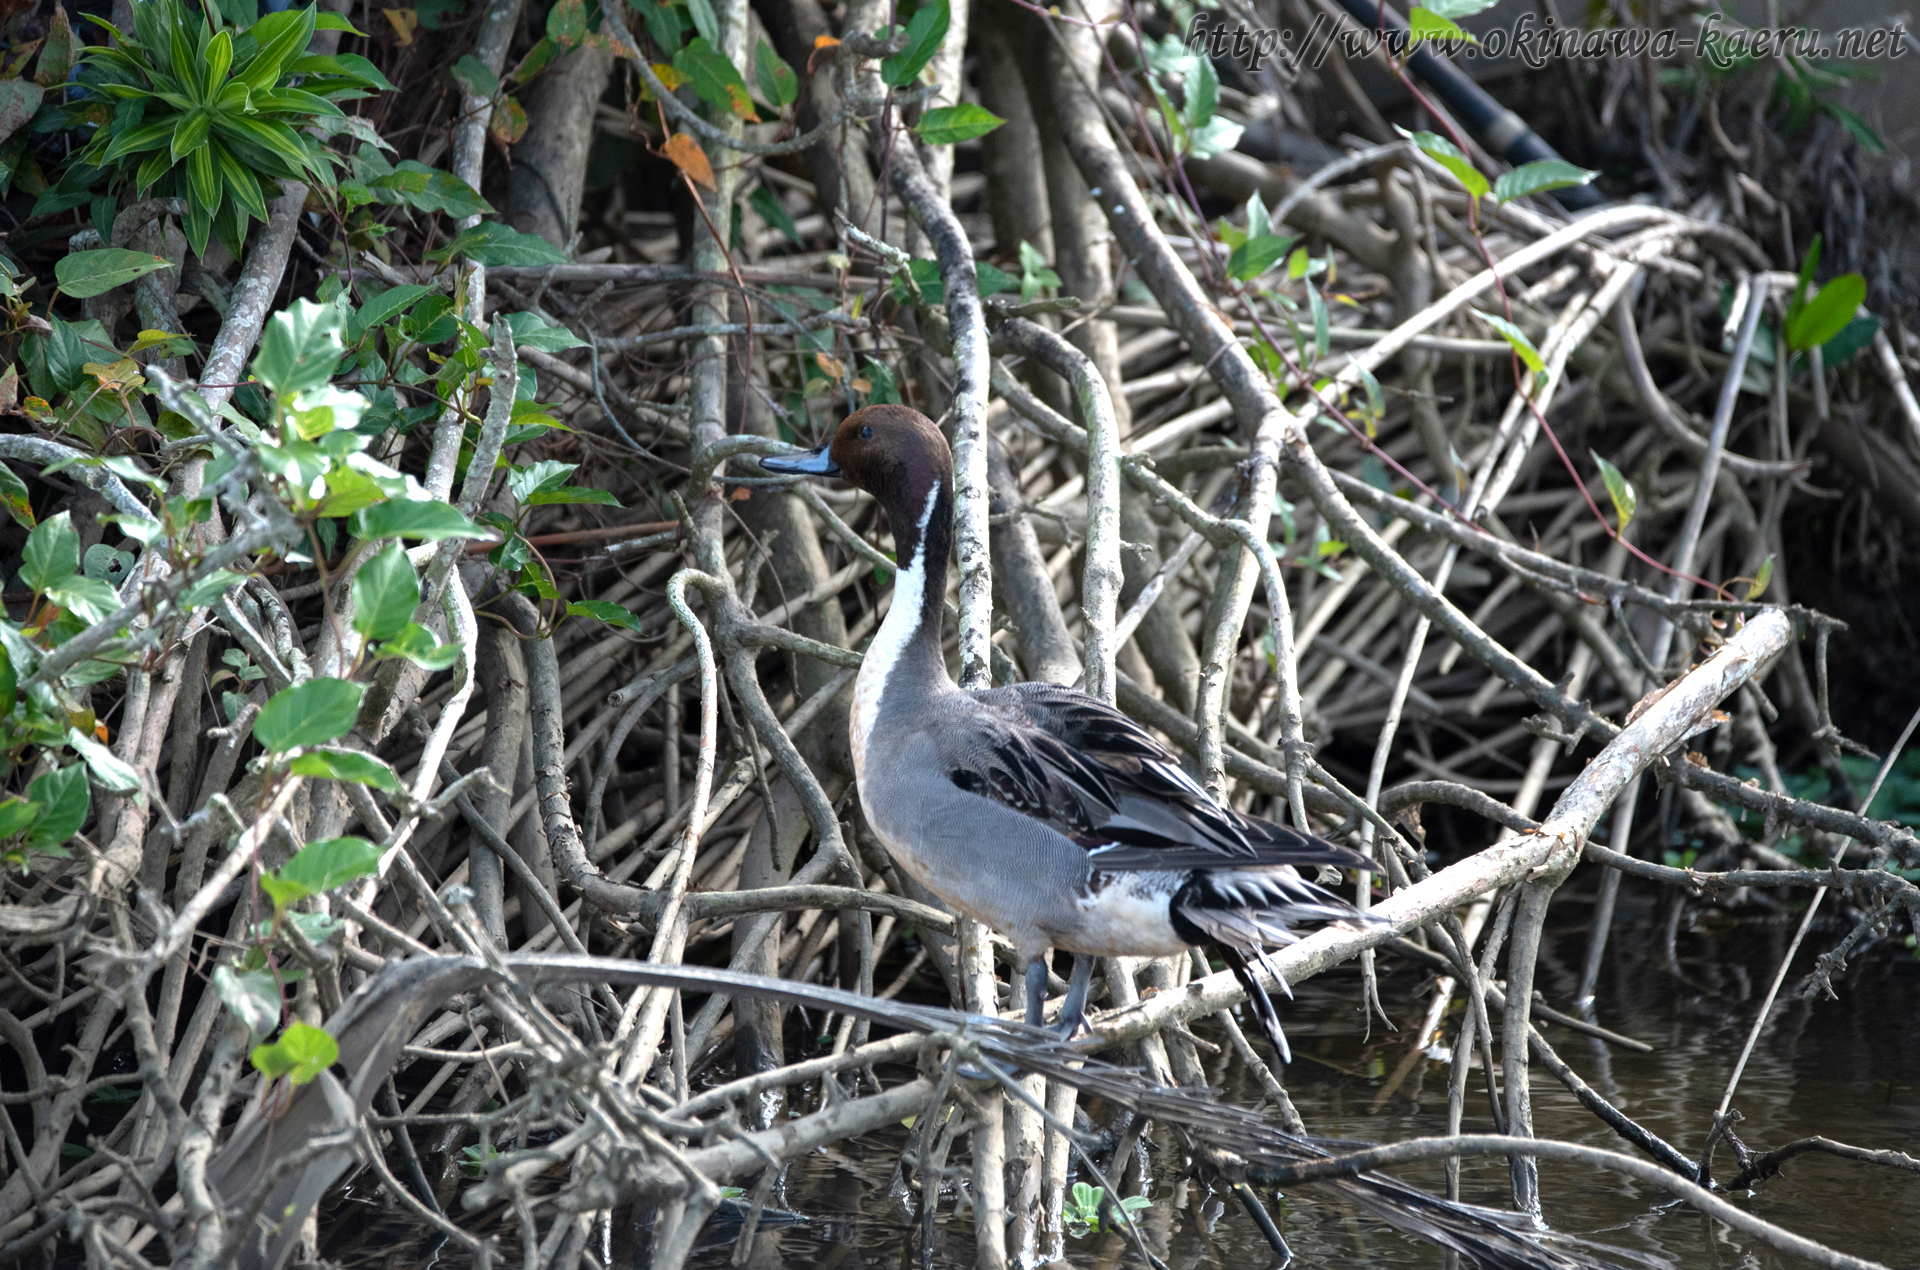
x=1089 y=771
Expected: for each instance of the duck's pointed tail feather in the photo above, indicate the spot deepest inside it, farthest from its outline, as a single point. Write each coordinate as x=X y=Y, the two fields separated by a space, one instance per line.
x=1257 y=998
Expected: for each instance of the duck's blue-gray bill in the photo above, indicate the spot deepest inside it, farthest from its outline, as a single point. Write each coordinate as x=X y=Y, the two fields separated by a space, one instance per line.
x=816 y=462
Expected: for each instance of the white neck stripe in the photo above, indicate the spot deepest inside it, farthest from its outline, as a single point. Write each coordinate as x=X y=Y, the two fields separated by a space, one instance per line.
x=896 y=631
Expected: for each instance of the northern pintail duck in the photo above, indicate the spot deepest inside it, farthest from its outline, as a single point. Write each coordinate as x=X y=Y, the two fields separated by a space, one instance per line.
x=1034 y=809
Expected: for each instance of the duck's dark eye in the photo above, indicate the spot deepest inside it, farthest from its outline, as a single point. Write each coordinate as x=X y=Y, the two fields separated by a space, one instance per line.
x=866 y=433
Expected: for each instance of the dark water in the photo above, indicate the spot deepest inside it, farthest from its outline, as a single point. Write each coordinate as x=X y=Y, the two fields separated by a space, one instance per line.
x=1848 y=1069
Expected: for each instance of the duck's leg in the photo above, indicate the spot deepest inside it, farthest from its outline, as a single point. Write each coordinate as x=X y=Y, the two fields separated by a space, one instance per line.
x=1073 y=1011
x=1036 y=990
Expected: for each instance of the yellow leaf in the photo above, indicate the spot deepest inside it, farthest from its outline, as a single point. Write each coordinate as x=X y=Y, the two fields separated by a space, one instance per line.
x=121 y=377
x=862 y=385
x=668 y=75
x=509 y=122
x=738 y=102
x=834 y=370
x=824 y=42
x=405 y=23
x=687 y=155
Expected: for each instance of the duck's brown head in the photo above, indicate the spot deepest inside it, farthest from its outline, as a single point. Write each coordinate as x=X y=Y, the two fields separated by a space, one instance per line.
x=892 y=452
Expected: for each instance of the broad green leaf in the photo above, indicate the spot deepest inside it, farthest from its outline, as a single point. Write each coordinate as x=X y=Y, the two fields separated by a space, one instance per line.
x=991 y=281
x=414 y=184
x=949 y=125
x=775 y=213
x=714 y=78
x=312 y=713
x=64 y=796
x=1619 y=489
x=424 y=519
x=417 y=644
x=530 y=330
x=537 y=478
x=88 y=599
x=252 y=996
x=13 y=497
x=384 y=308
x=301 y=1053
x=1519 y=340
x=52 y=553
x=1202 y=94
x=1257 y=255
x=16 y=814
x=1538 y=177
x=19 y=100
x=321 y=866
x=473 y=75
x=567 y=23
x=779 y=86
x=704 y=21
x=1828 y=313
x=491 y=243
x=300 y=348
x=84 y=274
x=386 y=591
x=605 y=611
x=926 y=31
x=9 y=682
x=107 y=767
x=1322 y=334
x=206 y=590
x=1448 y=156
x=1426 y=26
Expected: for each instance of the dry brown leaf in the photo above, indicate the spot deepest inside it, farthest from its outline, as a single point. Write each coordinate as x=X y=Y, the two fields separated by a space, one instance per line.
x=690 y=159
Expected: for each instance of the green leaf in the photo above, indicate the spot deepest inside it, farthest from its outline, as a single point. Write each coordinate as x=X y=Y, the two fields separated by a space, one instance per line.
x=1758 y=587
x=605 y=611
x=19 y=100
x=321 y=866
x=13 y=497
x=567 y=23
x=538 y=477
x=530 y=330
x=779 y=86
x=949 y=125
x=52 y=553
x=65 y=800
x=1322 y=335
x=991 y=281
x=108 y=768
x=383 y=308
x=417 y=644
x=424 y=519
x=570 y=495
x=1256 y=255
x=1202 y=94
x=1448 y=156
x=1538 y=177
x=301 y=1053
x=1619 y=489
x=714 y=78
x=414 y=184
x=88 y=599
x=474 y=75
x=1828 y=313
x=1518 y=338
x=1427 y=26
x=775 y=213
x=386 y=591
x=312 y=713
x=252 y=996
x=491 y=243
x=347 y=765
x=1258 y=222
x=926 y=31
x=300 y=348
x=9 y=684
x=16 y=814
x=701 y=11
x=85 y=274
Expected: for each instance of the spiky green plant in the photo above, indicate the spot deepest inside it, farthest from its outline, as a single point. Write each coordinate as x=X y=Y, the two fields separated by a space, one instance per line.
x=210 y=112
